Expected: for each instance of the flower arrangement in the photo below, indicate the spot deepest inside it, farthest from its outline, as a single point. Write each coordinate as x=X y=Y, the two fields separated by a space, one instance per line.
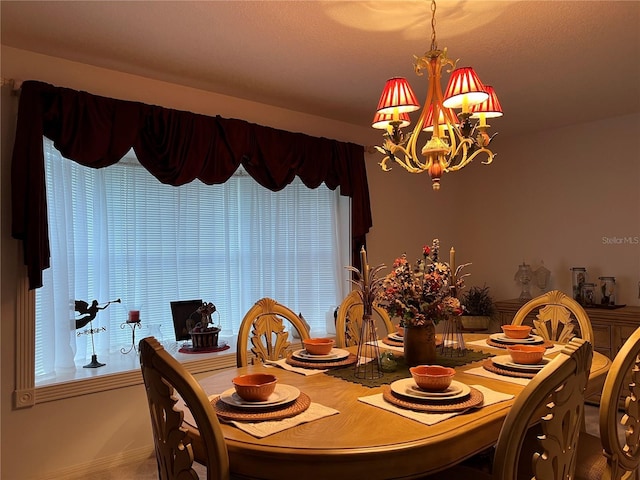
x=423 y=292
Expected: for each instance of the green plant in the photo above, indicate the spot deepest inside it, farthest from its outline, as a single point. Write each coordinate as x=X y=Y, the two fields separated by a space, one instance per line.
x=478 y=302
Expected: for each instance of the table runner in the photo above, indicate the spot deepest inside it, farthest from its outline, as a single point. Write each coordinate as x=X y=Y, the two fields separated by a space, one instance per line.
x=450 y=358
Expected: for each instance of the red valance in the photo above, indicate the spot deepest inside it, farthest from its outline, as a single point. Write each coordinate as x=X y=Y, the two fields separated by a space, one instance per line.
x=175 y=146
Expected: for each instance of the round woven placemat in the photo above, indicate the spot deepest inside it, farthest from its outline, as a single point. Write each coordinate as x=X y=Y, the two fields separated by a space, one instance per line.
x=393 y=343
x=492 y=367
x=228 y=412
x=492 y=343
x=350 y=360
x=474 y=399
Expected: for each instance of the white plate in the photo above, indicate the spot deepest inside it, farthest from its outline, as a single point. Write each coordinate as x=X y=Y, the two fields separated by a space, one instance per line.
x=395 y=337
x=282 y=394
x=502 y=338
x=507 y=361
x=335 y=354
x=408 y=388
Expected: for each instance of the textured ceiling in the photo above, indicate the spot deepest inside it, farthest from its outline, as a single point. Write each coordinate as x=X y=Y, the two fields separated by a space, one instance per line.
x=552 y=63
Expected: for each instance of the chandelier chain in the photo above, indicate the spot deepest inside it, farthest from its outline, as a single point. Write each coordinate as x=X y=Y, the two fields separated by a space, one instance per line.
x=434 y=43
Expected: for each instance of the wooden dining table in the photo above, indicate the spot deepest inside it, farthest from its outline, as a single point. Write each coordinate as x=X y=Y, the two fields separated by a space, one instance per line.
x=364 y=441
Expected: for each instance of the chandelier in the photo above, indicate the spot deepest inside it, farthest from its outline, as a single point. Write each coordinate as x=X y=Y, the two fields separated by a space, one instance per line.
x=455 y=141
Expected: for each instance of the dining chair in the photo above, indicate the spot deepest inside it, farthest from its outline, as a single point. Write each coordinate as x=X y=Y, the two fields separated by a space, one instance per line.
x=164 y=377
x=616 y=455
x=264 y=328
x=556 y=317
x=349 y=320
x=554 y=398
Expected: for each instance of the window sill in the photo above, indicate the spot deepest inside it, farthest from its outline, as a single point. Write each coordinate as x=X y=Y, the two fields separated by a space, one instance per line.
x=123 y=370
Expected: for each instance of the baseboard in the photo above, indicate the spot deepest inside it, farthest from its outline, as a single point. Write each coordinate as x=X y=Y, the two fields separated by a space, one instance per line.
x=86 y=470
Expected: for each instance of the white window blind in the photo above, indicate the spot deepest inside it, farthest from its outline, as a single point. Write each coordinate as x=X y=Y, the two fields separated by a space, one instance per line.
x=118 y=233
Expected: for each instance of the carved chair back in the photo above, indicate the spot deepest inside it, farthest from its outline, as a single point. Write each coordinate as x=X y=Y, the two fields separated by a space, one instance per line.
x=622 y=452
x=264 y=329
x=556 y=318
x=555 y=397
x=163 y=377
x=349 y=320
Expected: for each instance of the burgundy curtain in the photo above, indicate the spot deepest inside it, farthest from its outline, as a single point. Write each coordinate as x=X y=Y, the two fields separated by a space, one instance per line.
x=175 y=146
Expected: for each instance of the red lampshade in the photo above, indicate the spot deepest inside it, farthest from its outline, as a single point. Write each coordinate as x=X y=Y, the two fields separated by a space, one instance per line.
x=464 y=86
x=383 y=120
x=397 y=95
x=491 y=107
x=441 y=121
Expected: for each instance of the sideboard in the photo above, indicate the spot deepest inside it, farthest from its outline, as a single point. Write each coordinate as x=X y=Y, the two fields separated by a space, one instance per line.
x=611 y=327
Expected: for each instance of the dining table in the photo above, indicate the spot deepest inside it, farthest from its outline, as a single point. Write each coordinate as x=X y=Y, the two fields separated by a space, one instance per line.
x=360 y=440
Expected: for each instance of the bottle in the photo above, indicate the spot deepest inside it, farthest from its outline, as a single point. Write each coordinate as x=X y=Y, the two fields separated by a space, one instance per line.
x=608 y=290
x=578 y=278
x=588 y=294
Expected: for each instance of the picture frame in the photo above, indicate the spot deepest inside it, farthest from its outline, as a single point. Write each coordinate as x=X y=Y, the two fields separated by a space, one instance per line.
x=181 y=311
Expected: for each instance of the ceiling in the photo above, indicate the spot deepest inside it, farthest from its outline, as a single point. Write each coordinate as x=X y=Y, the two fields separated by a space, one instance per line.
x=552 y=63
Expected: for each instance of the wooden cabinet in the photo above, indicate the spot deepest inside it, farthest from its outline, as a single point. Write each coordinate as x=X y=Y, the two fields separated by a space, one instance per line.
x=611 y=327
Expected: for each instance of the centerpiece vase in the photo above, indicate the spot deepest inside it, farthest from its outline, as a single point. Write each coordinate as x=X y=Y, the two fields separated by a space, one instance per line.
x=420 y=344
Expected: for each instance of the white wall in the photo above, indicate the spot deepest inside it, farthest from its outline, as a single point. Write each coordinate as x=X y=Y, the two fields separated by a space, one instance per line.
x=549 y=196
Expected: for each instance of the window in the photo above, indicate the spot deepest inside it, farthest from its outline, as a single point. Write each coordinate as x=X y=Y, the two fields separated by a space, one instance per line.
x=118 y=234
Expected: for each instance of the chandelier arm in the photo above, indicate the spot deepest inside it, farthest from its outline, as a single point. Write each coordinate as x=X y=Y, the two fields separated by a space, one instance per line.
x=410 y=163
x=468 y=159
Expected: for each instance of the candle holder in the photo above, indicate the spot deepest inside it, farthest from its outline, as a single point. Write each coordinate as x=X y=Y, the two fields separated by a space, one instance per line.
x=452 y=335
x=368 y=364
x=133 y=323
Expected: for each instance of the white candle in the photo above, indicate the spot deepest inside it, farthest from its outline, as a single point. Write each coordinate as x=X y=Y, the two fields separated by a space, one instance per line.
x=452 y=265
x=364 y=266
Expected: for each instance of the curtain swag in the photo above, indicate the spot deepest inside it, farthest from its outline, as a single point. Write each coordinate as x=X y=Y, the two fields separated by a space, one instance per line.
x=175 y=146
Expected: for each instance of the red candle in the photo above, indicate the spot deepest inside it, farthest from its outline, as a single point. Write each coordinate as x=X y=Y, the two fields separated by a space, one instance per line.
x=134 y=316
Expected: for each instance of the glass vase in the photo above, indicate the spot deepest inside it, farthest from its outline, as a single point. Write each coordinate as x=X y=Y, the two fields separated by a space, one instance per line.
x=420 y=344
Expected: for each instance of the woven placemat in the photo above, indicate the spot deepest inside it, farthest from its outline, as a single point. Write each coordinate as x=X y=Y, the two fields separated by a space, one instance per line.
x=474 y=399
x=492 y=343
x=449 y=358
x=350 y=360
x=228 y=412
x=492 y=367
x=392 y=342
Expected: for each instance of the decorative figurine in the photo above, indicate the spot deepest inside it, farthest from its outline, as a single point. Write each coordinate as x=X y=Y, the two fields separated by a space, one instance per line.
x=523 y=278
x=90 y=312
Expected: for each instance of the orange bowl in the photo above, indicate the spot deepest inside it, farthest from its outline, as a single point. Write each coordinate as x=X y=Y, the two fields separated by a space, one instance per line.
x=318 y=346
x=400 y=330
x=432 y=378
x=516 y=331
x=526 y=354
x=255 y=387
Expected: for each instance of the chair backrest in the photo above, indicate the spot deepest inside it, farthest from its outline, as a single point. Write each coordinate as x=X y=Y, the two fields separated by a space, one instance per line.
x=623 y=455
x=554 y=319
x=555 y=397
x=163 y=377
x=349 y=320
x=264 y=328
